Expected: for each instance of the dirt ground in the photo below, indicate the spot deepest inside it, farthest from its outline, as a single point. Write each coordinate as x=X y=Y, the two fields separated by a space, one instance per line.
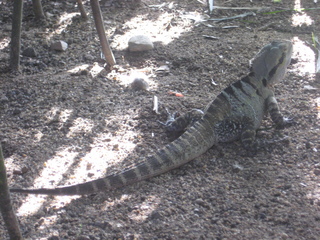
x=66 y=120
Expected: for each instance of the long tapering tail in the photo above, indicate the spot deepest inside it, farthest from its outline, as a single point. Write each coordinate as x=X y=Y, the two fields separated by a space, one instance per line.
x=195 y=141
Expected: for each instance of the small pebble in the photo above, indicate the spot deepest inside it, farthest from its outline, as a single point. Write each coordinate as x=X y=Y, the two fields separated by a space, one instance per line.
x=316 y=172
x=139 y=84
x=29 y=52
x=59 y=46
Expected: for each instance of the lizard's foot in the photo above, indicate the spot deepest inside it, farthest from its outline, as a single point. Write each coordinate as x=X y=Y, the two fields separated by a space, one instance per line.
x=171 y=118
x=286 y=122
x=176 y=124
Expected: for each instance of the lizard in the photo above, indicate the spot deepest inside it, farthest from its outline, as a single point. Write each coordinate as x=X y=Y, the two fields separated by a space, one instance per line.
x=236 y=113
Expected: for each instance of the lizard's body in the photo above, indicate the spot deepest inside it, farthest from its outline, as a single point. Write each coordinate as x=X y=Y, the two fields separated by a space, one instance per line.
x=236 y=113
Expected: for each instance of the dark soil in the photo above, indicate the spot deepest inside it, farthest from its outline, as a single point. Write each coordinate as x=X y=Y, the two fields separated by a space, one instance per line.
x=66 y=120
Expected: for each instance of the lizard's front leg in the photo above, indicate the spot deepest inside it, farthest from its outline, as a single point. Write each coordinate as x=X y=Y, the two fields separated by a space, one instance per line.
x=276 y=116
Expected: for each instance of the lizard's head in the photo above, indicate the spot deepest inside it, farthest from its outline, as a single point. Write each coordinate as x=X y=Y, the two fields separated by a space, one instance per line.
x=272 y=61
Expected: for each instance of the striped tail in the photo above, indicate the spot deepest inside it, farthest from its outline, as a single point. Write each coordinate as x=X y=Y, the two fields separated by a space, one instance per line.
x=194 y=142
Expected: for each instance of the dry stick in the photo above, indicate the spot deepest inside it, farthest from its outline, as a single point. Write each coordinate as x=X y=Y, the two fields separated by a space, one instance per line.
x=317 y=47
x=5 y=203
x=101 y=32
x=82 y=10
x=239 y=8
x=37 y=9
x=16 y=35
x=317 y=50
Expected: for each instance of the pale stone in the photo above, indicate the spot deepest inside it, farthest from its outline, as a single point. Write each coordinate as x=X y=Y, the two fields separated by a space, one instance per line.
x=59 y=46
x=140 y=43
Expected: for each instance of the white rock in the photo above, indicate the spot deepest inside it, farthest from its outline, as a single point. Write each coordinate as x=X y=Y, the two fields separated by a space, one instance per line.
x=49 y=15
x=59 y=46
x=140 y=43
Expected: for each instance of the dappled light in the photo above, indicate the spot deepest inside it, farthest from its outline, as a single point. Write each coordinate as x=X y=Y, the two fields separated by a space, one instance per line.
x=68 y=119
x=79 y=68
x=4 y=42
x=103 y=155
x=64 y=21
x=300 y=17
x=143 y=211
x=162 y=29
x=80 y=126
x=317 y=106
x=52 y=173
x=306 y=56
x=64 y=115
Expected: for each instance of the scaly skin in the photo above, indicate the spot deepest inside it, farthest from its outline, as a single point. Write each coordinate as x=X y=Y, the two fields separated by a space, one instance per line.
x=236 y=113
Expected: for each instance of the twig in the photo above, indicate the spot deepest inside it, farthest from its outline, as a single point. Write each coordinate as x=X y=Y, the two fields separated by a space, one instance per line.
x=5 y=203
x=101 y=32
x=155 y=104
x=239 y=8
x=233 y=17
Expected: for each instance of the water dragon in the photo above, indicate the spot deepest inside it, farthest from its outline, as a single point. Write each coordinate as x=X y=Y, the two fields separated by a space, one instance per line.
x=236 y=113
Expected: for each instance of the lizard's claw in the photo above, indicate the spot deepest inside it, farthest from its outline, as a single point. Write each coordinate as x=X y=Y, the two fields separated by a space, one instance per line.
x=287 y=122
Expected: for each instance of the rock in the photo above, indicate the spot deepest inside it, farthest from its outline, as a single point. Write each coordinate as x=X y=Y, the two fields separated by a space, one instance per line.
x=139 y=81
x=16 y=111
x=3 y=97
x=83 y=238
x=164 y=70
x=59 y=46
x=88 y=57
x=140 y=43
x=20 y=171
x=7 y=28
x=316 y=172
x=155 y=215
x=29 y=52
x=139 y=84
x=49 y=15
